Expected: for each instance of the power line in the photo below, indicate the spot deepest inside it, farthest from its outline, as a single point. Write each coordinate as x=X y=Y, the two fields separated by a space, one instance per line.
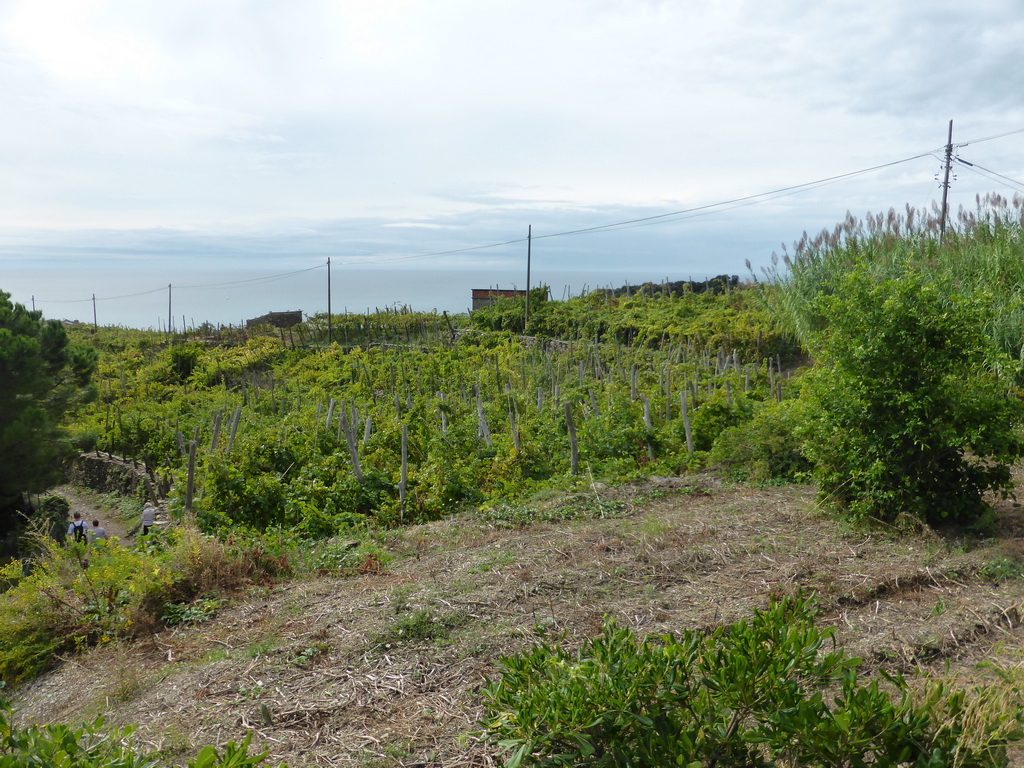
x=989 y=174
x=98 y=298
x=254 y=280
x=657 y=218
x=437 y=253
x=990 y=138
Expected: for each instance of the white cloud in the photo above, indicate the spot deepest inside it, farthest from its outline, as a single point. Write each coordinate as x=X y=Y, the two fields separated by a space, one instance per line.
x=454 y=122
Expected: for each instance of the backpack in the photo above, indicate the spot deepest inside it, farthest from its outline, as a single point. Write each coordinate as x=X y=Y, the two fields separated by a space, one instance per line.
x=79 y=531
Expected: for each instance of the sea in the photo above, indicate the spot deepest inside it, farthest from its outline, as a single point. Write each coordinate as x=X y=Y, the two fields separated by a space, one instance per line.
x=221 y=297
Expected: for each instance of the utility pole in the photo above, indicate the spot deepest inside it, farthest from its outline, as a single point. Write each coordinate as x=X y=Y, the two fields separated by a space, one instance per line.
x=945 y=182
x=95 y=325
x=529 y=244
x=169 y=327
x=330 y=328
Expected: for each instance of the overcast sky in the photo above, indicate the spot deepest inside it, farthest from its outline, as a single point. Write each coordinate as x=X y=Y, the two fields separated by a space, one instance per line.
x=165 y=138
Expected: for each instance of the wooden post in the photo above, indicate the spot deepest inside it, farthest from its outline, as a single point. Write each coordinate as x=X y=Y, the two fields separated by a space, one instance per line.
x=686 y=422
x=190 y=487
x=353 y=449
x=482 y=427
x=649 y=425
x=405 y=468
x=574 y=450
x=234 y=426
x=216 y=431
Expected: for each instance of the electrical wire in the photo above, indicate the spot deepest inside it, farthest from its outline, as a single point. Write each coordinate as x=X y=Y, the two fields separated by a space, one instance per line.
x=989 y=174
x=255 y=280
x=100 y=298
x=684 y=214
x=657 y=218
x=990 y=138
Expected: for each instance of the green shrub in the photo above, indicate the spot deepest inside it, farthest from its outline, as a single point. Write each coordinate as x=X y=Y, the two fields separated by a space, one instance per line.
x=912 y=413
x=755 y=693
x=717 y=415
x=93 y=746
x=766 y=449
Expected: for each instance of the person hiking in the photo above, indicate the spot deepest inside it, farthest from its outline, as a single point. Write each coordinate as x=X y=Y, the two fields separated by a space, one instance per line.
x=148 y=518
x=97 y=532
x=77 y=529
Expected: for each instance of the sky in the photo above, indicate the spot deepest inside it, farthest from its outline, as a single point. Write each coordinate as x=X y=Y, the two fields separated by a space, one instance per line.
x=144 y=143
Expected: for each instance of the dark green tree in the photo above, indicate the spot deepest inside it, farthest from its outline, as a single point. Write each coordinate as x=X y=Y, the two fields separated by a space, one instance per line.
x=913 y=407
x=41 y=375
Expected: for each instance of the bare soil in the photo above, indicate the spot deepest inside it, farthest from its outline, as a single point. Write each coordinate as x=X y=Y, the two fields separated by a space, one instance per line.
x=317 y=671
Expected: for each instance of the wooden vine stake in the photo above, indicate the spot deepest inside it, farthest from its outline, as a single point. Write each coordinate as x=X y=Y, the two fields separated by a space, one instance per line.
x=574 y=449
x=648 y=424
x=482 y=427
x=353 y=449
x=235 y=418
x=686 y=422
x=190 y=487
x=216 y=431
x=444 y=414
x=405 y=469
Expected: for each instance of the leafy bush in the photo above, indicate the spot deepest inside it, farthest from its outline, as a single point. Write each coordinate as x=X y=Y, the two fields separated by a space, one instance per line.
x=911 y=414
x=750 y=694
x=92 y=746
x=85 y=594
x=716 y=416
x=766 y=449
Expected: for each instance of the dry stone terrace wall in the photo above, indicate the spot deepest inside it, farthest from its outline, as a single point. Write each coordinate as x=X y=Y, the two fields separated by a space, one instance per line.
x=104 y=473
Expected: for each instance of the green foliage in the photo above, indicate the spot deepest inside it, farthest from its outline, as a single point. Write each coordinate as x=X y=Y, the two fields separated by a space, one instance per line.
x=194 y=612
x=93 y=746
x=911 y=412
x=767 y=449
x=420 y=625
x=61 y=745
x=41 y=376
x=81 y=595
x=351 y=555
x=716 y=416
x=755 y=693
x=1004 y=568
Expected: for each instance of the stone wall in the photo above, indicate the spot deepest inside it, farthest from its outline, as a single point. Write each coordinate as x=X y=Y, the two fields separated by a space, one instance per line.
x=103 y=473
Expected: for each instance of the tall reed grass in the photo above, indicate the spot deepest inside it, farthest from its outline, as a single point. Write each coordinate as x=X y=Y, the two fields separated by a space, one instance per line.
x=982 y=254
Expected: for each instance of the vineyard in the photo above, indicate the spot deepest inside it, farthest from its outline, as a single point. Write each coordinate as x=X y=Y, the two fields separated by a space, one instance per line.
x=417 y=423
x=491 y=513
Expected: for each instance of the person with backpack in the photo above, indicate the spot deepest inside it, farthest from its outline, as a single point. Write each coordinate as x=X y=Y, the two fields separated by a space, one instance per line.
x=77 y=529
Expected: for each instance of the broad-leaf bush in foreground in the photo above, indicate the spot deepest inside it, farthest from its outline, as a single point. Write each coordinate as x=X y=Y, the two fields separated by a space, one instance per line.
x=770 y=690
x=94 y=746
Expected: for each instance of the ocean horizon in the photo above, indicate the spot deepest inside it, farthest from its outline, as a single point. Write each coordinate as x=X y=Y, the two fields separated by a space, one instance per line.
x=221 y=297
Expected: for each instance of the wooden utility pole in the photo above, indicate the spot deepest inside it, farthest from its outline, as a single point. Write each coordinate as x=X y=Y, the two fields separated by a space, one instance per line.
x=169 y=326
x=95 y=325
x=529 y=243
x=945 y=182
x=330 y=335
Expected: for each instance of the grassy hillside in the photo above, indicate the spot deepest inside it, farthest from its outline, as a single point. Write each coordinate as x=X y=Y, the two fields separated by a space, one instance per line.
x=361 y=526
x=383 y=667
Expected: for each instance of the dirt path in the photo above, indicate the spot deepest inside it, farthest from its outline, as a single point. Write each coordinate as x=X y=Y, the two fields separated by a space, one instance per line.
x=87 y=505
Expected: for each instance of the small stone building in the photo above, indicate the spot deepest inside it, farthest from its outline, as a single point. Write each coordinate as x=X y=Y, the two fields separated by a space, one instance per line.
x=484 y=297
